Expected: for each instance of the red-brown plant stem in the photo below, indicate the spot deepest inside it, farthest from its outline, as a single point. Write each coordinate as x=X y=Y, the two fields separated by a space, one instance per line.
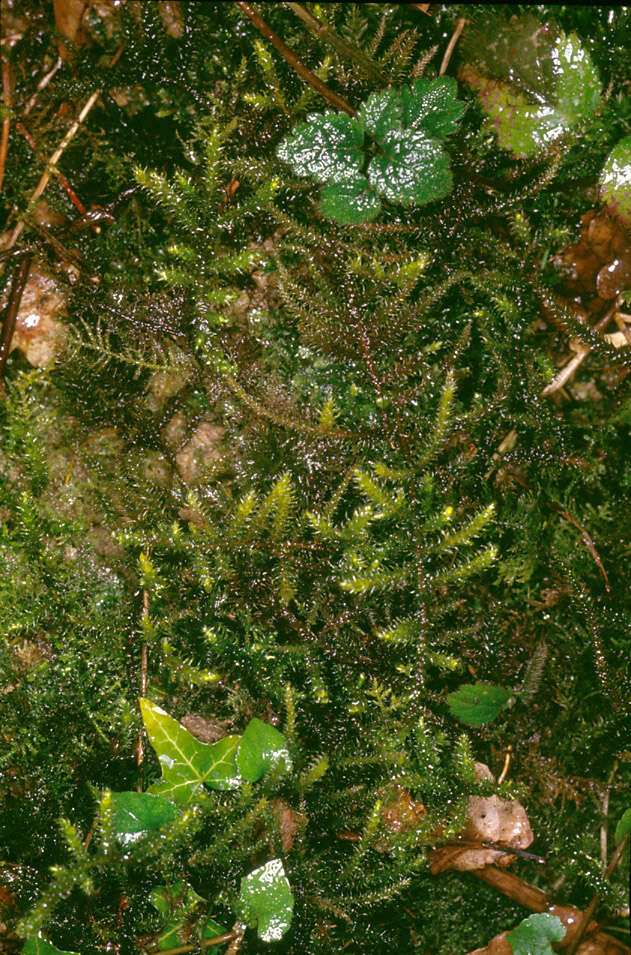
x=337 y=42
x=63 y=182
x=15 y=297
x=204 y=943
x=6 y=122
x=303 y=71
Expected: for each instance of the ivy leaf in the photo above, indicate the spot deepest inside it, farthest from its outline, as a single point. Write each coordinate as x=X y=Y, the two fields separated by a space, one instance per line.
x=615 y=181
x=624 y=826
x=136 y=814
x=381 y=112
x=432 y=105
x=534 y=934
x=327 y=147
x=477 y=703
x=262 y=748
x=350 y=202
x=176 y=903
x=267 y=899
x=534 y=81
x=186 y=763
x=41 y=946
x=414 y=168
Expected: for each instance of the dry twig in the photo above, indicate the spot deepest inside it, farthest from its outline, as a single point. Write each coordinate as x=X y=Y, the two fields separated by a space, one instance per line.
x=296 y=64
x=452 y=45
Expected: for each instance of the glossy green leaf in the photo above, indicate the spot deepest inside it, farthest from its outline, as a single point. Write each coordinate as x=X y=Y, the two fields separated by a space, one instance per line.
x=534 y=934
x=380 y=112
x=534 y=81
x=41 y=946
x=262 y=749
x=432 y=105
x=328 y=148
x=414 y=169
x=267 y=900
x=187 y=763
x=176 y=903
x=615 y=181
x=477 y=703
x=350 y=202
x=624 y=826
x=136 y=814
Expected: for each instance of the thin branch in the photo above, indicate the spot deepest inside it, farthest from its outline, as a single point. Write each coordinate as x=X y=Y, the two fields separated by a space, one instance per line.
x=6 y=122
x=582 y=351
x=61 y=179
x=140 y=753
x=451 y=46
x=15 y=297
x=54 y=159
x=204 y=943
x=339 y=45
x=303 y=72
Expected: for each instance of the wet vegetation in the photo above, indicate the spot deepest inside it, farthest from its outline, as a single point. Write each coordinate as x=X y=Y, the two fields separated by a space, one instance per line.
x=343 y=493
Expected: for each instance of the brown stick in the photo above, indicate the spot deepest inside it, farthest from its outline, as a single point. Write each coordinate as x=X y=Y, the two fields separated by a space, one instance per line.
x=61 y=179
x=6 y=122
x=8 y=326
x=54 y=159
x=204 y=943
x=451 y=46
x=341 y=46
x=303 y=72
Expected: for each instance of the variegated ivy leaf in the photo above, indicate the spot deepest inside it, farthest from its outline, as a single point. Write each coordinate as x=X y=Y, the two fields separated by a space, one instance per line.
x=327 y=147
x=413 y=169
x=186 y=763
x=38 y=945
x=262 y=748
x=136 y=814
x=267 y=900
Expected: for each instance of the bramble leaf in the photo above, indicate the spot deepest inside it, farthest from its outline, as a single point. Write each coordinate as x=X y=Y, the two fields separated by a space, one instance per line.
x=615 y=181
x=534 y=81
x=136 y=814
x=534 y=934
x=432 y=105
x=267 y=899
x=262 y=748
x=186 y=763
x=350 y=202
x=381 y=112
x=327 y=147
x=477 y=703
x=414 y=169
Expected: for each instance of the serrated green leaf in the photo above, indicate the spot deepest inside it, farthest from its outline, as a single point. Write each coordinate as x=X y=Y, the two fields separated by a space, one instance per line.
x=414 y=169
x=41 y=946
x=624 y=826
x=349 y=203
x=477 y=703
x=431 y=105
x=186 y=762
x=534 y=934
x=136 y=814
x=615 y=181
x=267 y=899
x=262 y=748
x=327 y=147
x=380 y=112
x=534 y=81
